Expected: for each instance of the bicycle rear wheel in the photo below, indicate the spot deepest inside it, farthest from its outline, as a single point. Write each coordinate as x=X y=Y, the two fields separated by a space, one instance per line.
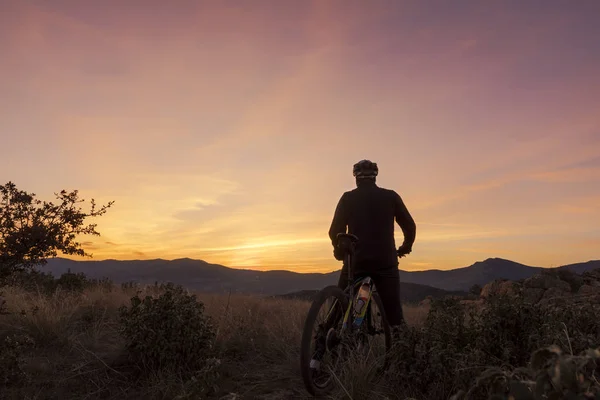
x=380 y=329
x=318 y=377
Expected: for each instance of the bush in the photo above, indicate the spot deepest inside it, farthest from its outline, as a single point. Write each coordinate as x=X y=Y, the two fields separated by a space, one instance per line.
x=45 y=283
x=508 y=329
x=167 y=332
x=11 y=350
x=460 y=347
x=73 y=282
x=426 y=361
x=31 y=281
x=552 y=375
x=475 y=290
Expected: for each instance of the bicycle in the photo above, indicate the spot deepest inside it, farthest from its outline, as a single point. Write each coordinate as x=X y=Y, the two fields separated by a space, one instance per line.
x=357 y=325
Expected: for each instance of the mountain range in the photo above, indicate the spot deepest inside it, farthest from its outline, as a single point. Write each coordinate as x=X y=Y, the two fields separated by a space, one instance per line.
x=483 y=272
x=205 y=277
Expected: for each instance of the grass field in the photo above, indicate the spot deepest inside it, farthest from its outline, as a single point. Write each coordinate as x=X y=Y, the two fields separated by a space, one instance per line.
x=77 y=339
x=71 y=345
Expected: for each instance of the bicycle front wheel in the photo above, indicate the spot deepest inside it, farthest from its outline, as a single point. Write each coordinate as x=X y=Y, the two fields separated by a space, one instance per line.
x=320 y=339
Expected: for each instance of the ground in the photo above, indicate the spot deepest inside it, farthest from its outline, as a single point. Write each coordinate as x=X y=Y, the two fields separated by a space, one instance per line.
x=541 y=335
x=77 y=336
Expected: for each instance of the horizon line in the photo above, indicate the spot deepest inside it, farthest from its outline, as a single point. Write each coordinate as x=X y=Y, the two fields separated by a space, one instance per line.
x=323 y=272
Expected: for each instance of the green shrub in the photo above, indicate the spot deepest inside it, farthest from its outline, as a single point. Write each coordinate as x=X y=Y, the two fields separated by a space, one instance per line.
x=574 y=280
x=31 y=281
x=475 y=290
x=508 y=329
x=575 y=327
x=460 y=347
x=167 y=332
x=11 y=350
x=45 y=283
x=73 y=282
x=551 y=375
x=201 y=382
x=427 y=362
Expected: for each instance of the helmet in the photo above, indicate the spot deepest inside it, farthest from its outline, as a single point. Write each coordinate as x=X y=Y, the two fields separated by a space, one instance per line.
x=365 y=169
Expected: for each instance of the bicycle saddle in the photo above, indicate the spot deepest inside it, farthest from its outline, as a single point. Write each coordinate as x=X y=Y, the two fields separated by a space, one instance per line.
x=346 y=240
x=353 y=238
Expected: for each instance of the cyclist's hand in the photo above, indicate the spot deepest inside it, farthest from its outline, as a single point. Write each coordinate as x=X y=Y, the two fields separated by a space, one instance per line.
x=338 y=253
x=403 y=250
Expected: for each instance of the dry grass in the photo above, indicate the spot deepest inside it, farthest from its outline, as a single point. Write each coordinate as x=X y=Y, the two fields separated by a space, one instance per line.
x=415 y=315
x=79 y=352
x=78 y=346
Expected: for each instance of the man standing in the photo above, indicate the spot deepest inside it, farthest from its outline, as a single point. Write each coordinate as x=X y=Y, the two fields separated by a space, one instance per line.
x=369 y=212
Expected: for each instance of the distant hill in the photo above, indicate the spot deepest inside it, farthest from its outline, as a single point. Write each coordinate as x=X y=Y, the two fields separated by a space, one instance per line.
x=483 y=272
x=202 y=276
x=195 y=274
x=580 y=268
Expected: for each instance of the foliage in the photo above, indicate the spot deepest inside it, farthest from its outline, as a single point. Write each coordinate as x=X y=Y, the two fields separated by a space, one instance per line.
x=475 y=290
x=11 y=350
x=31 y=281
x=552 y=375
x=574 y=280
x=462 y=348
x=202 y=381
x=73 y=282
x=31 y=230
x=167 y=332
x=45 y=283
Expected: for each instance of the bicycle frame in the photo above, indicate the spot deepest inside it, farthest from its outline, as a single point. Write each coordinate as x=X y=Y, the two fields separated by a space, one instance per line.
x=351 y=289
x=365 y=311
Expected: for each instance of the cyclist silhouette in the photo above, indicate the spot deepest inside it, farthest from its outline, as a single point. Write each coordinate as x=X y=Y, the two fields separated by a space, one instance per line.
x=369 y=212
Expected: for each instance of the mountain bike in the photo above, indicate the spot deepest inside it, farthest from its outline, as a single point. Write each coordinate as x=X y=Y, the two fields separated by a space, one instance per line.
x=349 y=328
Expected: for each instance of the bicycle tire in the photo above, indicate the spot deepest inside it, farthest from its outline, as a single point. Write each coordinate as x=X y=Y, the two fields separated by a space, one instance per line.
x=307 y=337
x=386 y=327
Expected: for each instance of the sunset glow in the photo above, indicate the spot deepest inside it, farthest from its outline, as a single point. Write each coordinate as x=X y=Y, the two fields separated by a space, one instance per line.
x=226 y=131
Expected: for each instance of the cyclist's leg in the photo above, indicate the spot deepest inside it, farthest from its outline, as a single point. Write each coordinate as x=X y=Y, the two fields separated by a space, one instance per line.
x=387 y=282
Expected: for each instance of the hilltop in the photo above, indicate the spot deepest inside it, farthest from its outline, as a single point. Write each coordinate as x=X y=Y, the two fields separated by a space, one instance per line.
x=214 y=278
x=479 y=273
x=204 y=277
x=484 y=272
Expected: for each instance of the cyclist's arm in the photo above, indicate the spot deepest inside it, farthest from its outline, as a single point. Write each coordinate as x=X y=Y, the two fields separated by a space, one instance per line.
x=339 y=222
x=406 y=222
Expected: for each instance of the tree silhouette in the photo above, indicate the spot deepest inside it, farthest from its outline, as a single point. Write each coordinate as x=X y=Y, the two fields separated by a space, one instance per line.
x=31 y=230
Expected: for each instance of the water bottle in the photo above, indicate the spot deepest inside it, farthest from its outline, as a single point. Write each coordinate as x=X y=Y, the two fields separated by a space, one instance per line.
x=361 y=301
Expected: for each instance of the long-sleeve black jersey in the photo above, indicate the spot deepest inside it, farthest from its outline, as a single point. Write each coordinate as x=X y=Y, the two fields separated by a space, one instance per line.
x=369 y=212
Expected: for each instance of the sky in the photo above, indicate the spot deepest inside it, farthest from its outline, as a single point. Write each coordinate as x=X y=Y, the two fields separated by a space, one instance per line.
x=227 y=130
